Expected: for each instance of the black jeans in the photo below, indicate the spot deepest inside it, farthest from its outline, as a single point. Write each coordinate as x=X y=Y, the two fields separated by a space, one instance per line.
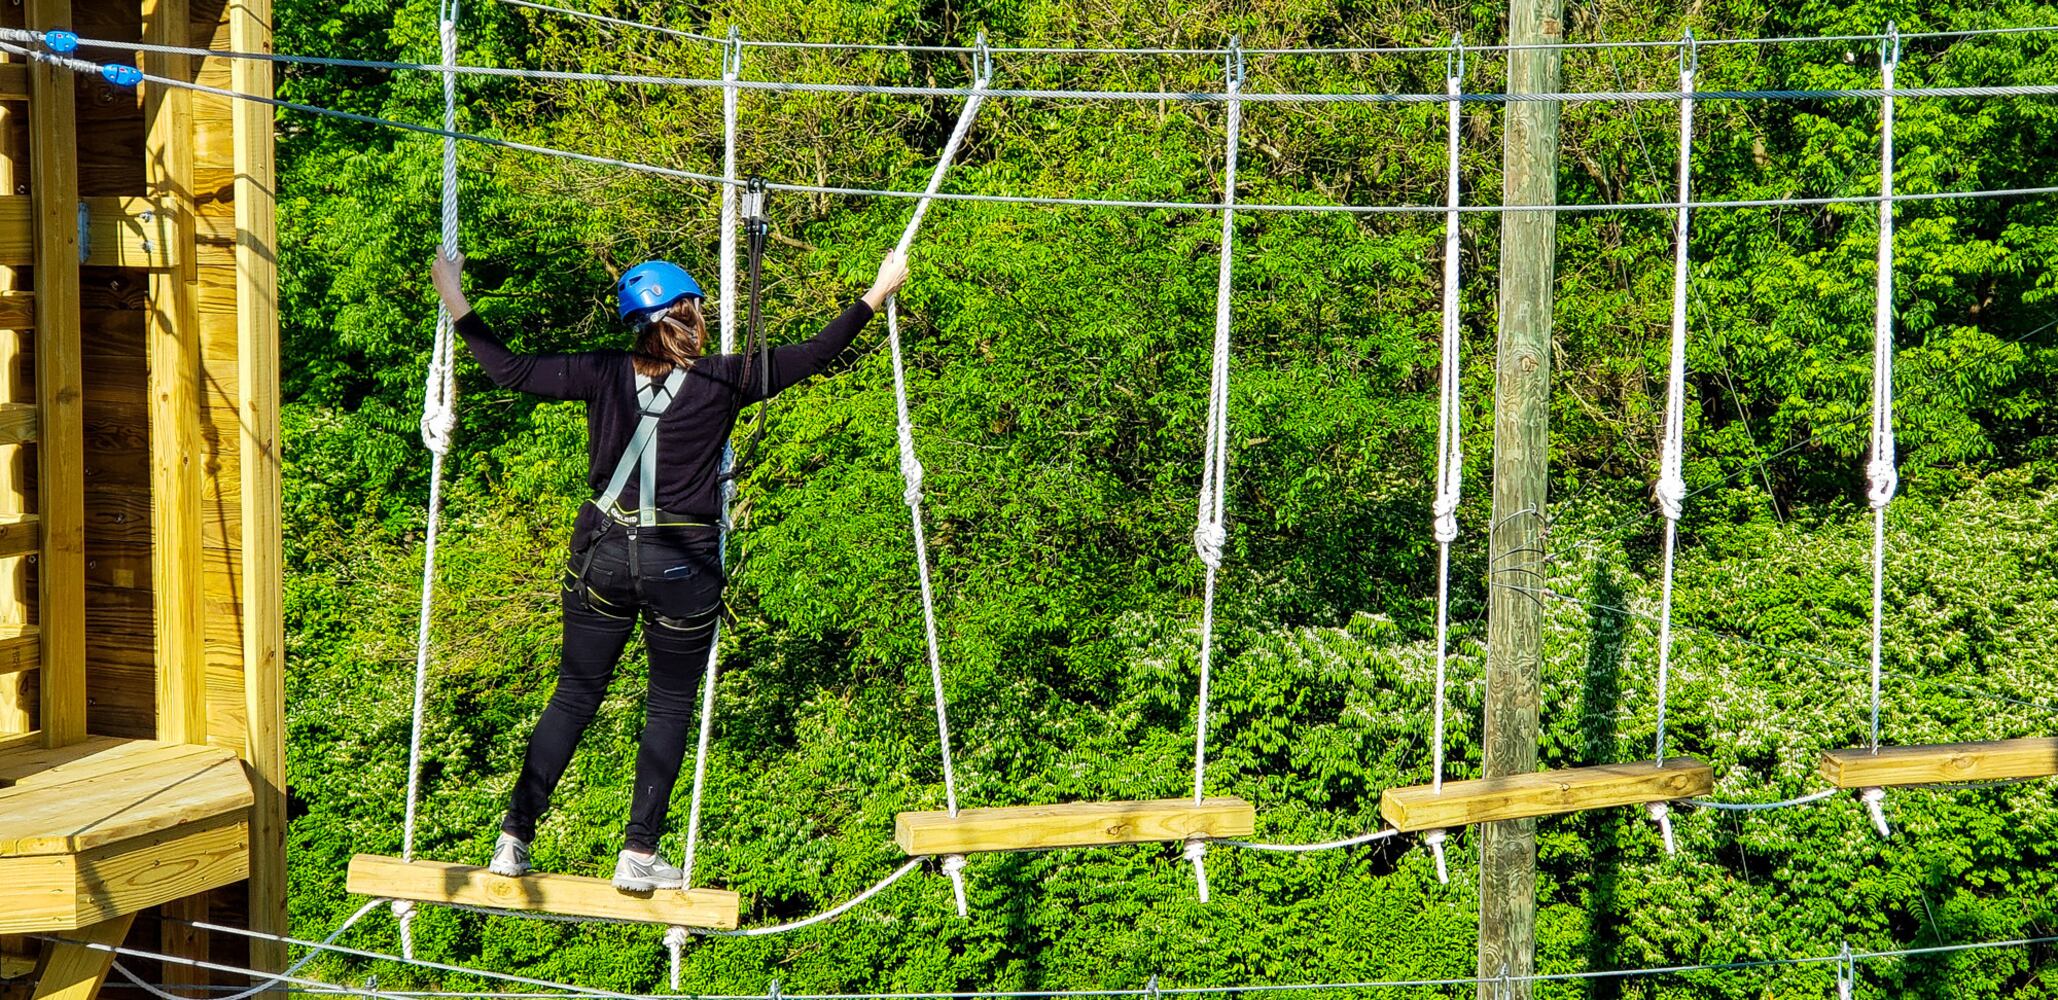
x=672 y=579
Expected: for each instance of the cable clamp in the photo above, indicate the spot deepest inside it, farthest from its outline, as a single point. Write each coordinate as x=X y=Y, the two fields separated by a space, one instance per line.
x=954 y=866
x=772 y=991
x=1661 y=813
x=1875 y=804
x=1434 y=839
x=122 y=76
x=1197 y=852
x=1846 y=973
x=1150 y=989
x=754 y=206
x=61 y=41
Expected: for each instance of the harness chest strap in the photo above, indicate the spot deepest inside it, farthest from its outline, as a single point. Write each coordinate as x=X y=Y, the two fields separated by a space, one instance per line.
x=640 y=456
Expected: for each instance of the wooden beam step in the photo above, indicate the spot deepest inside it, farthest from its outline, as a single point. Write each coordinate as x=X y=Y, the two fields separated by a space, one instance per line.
x=1071 y=824
x=14 y=81
x=1942 y=763
x=567 y=895
x=18 y=423
x=20 y=535
x=17 y=310
x=20 y=649
x=1545 y=793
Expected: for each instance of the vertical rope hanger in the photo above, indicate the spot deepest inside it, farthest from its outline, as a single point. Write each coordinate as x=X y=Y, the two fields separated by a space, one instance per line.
x=1208 y=533
x=1671 y=486
x=439 y=417
x=1884 y=478
x=732 y=64
x=911 y=466
x=1450 y=462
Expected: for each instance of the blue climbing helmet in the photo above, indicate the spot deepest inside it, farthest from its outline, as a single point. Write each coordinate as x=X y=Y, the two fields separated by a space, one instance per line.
x=653 y=285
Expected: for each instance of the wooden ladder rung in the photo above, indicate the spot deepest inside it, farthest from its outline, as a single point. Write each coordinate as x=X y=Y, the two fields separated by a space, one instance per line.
x=20 y=535
x=566 y=895
x=1942 y=763
x=1071 y=824
x=18 y=423
x=21 y=648
x=1544 y=793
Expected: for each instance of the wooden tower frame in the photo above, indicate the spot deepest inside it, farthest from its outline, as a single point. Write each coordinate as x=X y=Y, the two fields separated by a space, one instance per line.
x=142 y=756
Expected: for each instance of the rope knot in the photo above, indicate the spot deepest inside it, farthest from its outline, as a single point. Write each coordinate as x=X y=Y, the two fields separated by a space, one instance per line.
x=1446 y=517
x=675 y=946
x=1886 y=480
x=1435 y=839
x=403 y=911
x=1208 y=539
x=1661 y=813
x=1875 y=804
x=1197 y=852
x=1671 y=493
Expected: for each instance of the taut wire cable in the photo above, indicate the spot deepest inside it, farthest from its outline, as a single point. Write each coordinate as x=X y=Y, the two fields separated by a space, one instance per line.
x=1208 y=532
x=1884 y=479
x=439 y=399
x=911 y=469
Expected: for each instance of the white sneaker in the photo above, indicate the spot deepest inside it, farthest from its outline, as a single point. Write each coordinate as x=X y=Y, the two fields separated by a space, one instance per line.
x=510 y=857
x=646 y=874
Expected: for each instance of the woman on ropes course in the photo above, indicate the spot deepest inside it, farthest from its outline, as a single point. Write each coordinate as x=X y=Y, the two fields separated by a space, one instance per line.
x=647 y=544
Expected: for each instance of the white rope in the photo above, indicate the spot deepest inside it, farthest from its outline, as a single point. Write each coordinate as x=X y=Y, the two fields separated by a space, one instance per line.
x=1450 y=465
x=288 y=976
x=1671 y=488
x=1208 y=532
x=732 y=57
x=823 y=917
x=1881 y=471
x=439 y=398
x=1327 y=845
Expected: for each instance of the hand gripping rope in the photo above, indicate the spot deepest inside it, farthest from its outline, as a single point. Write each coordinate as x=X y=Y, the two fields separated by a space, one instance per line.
x=1884 y=479
x=1450 y=460
x=1208 y=533
x=911 y=466
x=1671 y=486
x=732 y=63
x=439 y=417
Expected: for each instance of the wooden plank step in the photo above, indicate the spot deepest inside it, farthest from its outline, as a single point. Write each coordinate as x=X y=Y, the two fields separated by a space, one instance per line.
x=14 y=84
x=17 y=310
x=1942 y=763
x=156 y=795
x=91 y=757
x=20 y=535
x=18 y=423
x=1071 y=824
x=568 y=895
x=1463 y=803
x=20 y=649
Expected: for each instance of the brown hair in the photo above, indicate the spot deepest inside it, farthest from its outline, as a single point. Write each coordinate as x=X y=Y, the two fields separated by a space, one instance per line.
x=673 y=340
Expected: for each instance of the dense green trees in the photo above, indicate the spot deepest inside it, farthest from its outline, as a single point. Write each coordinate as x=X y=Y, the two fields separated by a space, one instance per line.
x=1058 y=364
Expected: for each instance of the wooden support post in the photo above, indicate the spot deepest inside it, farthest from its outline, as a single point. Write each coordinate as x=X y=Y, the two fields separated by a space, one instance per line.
x=73 y=971
x=15 y=716
x=61 y=476
x=176 y=561
x=257 y=393
x=178 y=938
x=1522 y=396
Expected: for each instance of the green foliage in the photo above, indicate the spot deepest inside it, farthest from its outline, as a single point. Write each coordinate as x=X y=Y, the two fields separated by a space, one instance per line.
x=1057 y=362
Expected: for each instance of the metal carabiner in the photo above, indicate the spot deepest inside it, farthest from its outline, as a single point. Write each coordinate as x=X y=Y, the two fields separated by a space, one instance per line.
x=1232 y=61
x=732 y=53
x=1454 y=60
x=982 y=57
x=1689 y=54
x=1890 y=46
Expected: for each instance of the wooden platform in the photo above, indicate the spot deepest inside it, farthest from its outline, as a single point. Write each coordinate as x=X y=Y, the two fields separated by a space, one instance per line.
x=1071 y=824
x=107 y=827
x=1545 y=793
x=1944 y=763
x=568 y=895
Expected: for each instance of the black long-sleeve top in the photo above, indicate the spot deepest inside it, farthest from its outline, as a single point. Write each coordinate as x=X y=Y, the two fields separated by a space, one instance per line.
x=694 y=427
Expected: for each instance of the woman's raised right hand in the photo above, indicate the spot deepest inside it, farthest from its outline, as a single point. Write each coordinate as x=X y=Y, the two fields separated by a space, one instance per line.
x=893 y=273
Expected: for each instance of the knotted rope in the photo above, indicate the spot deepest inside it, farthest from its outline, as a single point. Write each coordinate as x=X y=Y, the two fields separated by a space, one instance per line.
x=1671 y=487
x=732 y=61
x=911 y=466
x=1208 y=533
x=439 y=417
x=1450 y=465
x=1884 y=479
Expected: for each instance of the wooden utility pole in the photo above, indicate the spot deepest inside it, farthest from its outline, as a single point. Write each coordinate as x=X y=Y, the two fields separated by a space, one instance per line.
x=1522 y=394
